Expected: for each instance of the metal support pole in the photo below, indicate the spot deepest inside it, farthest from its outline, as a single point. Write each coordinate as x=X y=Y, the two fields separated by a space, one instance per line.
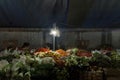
x=53 y=43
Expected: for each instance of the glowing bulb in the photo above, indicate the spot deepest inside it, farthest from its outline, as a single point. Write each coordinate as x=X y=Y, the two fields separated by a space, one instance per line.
x=55 y=32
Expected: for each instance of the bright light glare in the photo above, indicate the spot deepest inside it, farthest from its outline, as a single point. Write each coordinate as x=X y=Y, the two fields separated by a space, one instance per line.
x=55 y=32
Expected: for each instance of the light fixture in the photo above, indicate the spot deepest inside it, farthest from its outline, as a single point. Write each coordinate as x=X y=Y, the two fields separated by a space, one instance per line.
x=55 y=33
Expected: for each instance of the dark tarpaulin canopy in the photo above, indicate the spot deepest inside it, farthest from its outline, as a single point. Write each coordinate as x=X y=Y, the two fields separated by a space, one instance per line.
x=43 y=13
x=104 y=13
x=94 y=13
x=32 y=13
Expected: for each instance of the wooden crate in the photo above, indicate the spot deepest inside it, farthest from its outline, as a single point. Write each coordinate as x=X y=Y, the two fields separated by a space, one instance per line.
x=92 y=75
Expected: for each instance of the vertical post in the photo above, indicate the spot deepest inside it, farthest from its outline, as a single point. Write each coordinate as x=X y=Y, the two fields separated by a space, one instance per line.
x=55 y=33
x=103 y=37
x=109 y=37
x=81 y=35
x=44 y=38
x=53 y=43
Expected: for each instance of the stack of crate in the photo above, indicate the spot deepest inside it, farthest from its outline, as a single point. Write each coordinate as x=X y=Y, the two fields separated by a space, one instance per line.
x=92 y=75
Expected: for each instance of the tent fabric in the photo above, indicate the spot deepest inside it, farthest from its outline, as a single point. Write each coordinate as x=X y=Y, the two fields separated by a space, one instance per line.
x=103 y=14
x=32 y=13
x=43 y=13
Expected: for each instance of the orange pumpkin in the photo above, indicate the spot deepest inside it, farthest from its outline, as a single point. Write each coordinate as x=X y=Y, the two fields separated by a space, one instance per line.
x=84 y=53
x=42 y=50
x=61 y=52
x=60 y=62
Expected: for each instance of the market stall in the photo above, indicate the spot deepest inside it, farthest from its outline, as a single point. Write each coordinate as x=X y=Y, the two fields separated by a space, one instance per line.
x=45 y=64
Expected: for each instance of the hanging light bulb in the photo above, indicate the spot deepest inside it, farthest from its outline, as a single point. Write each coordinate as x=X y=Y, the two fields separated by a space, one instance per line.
x=55 y=31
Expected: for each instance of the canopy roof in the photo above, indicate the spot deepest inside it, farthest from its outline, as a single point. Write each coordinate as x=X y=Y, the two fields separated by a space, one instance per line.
x=65 y=13
x=31 y=13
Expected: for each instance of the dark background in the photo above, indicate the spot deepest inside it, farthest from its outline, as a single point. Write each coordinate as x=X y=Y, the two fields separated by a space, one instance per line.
x=65 y=13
